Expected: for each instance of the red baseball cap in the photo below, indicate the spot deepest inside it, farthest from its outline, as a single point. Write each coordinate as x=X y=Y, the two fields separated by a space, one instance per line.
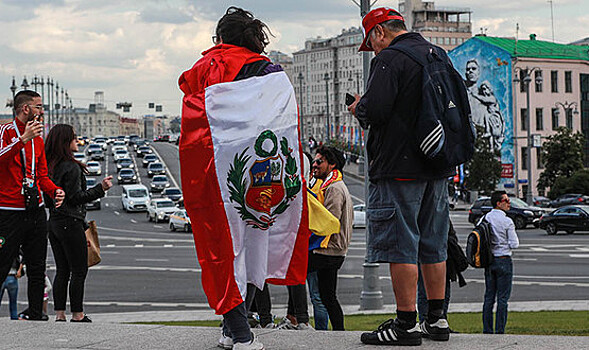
x=374 y=17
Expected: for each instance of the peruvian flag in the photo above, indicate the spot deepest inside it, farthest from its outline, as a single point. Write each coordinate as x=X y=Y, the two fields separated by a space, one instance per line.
x=243 y=186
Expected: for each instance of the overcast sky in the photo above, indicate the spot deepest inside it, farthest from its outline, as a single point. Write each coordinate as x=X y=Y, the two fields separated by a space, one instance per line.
x=135 y=50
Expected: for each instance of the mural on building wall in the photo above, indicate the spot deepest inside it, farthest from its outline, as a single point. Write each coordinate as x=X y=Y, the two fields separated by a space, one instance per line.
x=486 y=71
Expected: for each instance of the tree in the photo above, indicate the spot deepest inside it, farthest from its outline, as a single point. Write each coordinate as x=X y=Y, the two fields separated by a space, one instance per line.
x=484 y=169
x=577 y=183
x=563 y=156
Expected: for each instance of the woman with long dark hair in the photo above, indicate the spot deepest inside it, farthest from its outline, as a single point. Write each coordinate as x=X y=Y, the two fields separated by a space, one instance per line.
x=67 y=223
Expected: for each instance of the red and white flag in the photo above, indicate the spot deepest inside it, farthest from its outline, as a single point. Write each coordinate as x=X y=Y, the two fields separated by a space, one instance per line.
x=243 y=186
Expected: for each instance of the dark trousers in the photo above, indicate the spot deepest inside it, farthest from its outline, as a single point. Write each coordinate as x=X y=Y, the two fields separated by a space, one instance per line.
x=70 y=250
x=327 y=267
x=235 y=320
x=263 y=304
x=297 y=303
x=498 y=280
x=26 y=229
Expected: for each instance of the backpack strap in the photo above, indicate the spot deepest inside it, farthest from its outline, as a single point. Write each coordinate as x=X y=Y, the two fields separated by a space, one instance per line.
x=417 y=56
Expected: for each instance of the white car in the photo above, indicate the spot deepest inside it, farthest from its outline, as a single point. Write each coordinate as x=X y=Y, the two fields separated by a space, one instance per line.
x=160 y=209
x=119 y=154
x=359 y=215
x=80 y=157
x=94 y=168
x=135 y=198
x=119 y=143
x=179 y=220
x=117 y=148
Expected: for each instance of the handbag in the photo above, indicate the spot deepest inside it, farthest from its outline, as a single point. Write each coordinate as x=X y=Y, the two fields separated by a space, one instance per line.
x=93 y=244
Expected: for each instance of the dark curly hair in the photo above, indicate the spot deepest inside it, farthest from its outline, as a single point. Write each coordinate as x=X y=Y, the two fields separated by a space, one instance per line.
x=333 y=156
x=239 y=27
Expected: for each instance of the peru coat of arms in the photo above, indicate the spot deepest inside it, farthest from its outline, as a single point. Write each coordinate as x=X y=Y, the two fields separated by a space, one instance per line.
x=264 y=188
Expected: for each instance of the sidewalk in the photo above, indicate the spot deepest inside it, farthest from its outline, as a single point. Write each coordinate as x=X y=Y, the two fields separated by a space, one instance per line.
x=52 y=335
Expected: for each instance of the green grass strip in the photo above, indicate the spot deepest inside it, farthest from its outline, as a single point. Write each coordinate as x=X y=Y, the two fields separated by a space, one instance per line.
x=568 y=323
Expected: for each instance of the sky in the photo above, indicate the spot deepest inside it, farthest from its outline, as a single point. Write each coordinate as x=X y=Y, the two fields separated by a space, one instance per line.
x=135 y=50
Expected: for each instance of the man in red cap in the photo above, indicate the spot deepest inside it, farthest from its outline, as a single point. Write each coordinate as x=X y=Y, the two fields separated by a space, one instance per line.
x=407 y=198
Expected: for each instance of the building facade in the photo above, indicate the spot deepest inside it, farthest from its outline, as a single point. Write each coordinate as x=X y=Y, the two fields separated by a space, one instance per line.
x=323 y=72
x=494 y=70
x=446 y=27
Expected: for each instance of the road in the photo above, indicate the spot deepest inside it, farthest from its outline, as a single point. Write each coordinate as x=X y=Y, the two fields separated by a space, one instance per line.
x=146 y=267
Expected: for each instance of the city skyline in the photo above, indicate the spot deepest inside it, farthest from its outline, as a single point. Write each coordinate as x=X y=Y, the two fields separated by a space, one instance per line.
x=135 y=51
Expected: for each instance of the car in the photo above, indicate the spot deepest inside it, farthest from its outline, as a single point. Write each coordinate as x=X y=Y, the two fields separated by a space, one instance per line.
x=155 y=168
x=121 y=154
x=94 y=168
x=180 y=220
x=135 y=198
x=119 y=143
x=159 y=183
x=102 y=142
x=569 y=218
x=172 y=193
x=132 y=139
x=95 y=204
x=359 y=216
x=127 y=176
x=149 y=158
x=80 y=157
x=569 y=199
x=116 y=148
x=123 y=163
x=143 y=150
x=96 y=154
x=160 y=209
x=520 y=212
x=541 y=202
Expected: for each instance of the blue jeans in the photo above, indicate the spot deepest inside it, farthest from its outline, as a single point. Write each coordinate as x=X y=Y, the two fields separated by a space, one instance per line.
x=498 y=278
x=319 y=311
x=422 y=305
x=11 y=285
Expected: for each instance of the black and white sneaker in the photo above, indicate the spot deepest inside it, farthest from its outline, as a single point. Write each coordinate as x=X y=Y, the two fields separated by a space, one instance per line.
x=440 y=330
x=389 y=333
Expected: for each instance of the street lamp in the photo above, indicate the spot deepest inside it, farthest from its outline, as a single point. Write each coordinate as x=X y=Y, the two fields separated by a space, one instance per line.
x=13 y=89
x=49 y=99
x=328 y=131
x=567 y=107
x=300 y=77
x=527 y=79
x=25 y=83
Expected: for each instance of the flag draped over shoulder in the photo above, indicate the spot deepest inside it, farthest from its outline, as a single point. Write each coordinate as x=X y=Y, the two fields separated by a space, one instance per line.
x=242 y=179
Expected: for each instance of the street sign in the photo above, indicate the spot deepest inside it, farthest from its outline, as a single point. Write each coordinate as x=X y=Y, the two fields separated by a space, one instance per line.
x=536 y=140
x=507 y=170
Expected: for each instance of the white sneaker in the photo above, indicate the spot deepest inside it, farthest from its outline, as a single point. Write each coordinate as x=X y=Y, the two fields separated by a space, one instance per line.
x=254 y=344
x=225 y=342
x=286 y=324
x=304 y=327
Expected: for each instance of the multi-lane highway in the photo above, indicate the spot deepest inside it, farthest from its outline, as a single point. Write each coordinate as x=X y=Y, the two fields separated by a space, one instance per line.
x=146 y=267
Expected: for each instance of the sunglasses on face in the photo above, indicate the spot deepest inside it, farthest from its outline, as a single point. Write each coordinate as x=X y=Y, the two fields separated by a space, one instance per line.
x=506 y=200
x=317 y=161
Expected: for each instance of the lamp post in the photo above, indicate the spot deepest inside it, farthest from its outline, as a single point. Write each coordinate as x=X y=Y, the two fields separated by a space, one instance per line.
x=300 y=77
x=13 y=89
x=56 y=100
x=328 y=131
x=49 y=98
x=25 y=83
x=527 y=79
x=35 y=82
x=567 y=106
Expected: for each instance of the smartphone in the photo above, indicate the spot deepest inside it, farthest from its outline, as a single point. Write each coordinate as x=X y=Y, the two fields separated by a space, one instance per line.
x=349 y=99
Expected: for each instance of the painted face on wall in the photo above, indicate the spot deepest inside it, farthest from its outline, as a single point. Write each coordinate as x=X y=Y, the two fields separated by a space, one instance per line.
x=473 y=72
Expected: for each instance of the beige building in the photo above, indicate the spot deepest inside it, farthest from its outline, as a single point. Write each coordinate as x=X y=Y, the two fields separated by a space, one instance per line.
x=446 y=27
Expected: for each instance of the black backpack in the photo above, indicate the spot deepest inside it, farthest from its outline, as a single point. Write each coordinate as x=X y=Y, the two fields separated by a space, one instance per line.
x=478 y=245
x=456 y=262
x=445 y=132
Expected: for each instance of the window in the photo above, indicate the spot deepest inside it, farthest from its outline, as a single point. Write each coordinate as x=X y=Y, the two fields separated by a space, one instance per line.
x=554 y=118
x=539 y=159
x=554 y=81
x=568 y=81
x=524 y=118
x=537 y=76
x=539 y=119
x=524 y=158
x=447 y=41
x=569 y=118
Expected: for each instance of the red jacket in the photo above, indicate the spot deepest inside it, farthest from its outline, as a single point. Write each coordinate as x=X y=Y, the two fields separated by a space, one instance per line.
x=11 y=197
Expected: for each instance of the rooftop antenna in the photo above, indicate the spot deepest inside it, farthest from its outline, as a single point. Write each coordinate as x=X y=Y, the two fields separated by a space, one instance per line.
x=552 y=18
x=516 y=37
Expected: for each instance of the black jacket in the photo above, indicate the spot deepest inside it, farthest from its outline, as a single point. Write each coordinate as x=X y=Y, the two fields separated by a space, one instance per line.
x=389 y=108
x=69 y=176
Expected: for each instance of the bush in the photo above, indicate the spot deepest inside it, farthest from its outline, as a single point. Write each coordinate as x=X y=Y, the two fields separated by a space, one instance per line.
x=577 y=183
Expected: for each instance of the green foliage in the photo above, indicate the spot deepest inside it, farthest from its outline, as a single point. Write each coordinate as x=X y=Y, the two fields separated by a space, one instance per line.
x=260 y=151
x=237 y=184
x=578 y=183
x=484 y=169
x=563 y=156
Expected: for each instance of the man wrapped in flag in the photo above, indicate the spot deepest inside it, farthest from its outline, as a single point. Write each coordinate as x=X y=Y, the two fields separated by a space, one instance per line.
x=241 y=172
